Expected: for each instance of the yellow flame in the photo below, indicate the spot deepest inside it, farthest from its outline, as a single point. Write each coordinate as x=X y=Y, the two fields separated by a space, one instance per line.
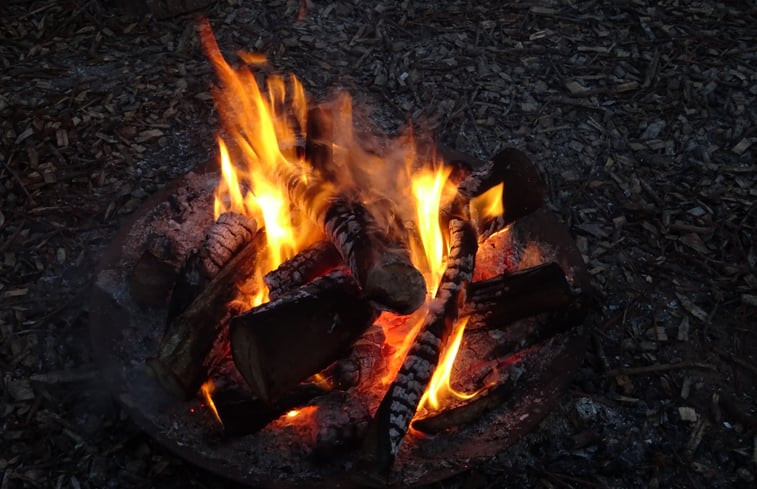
x=207 y=390
x=440 y=381
x=428 y=188
x=488 y=204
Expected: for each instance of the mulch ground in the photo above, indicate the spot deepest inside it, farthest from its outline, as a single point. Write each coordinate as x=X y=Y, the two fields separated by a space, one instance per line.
x=641 y=114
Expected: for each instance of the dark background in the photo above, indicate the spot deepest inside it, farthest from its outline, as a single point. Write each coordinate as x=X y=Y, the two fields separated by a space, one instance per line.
x=641 y=115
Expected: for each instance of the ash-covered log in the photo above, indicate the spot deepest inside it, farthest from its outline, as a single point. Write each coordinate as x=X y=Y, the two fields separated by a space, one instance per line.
x=179 y=362
x=279 y=344
x=397 y=408
x=523 y=190
x=502 y=300
x=224 y=239
x=308 y=264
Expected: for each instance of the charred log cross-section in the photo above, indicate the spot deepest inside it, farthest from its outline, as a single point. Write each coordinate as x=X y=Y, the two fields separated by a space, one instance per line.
x=399 y=404
x=523 y=191
x=278 y=344
x=308 y=264
x=223 y=240
x=178 y=364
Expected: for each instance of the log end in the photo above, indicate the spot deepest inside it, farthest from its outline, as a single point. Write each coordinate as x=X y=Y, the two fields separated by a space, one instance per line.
x=398 y=287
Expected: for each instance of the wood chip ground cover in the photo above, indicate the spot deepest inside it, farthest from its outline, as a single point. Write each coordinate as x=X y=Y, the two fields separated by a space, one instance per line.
x=641 y=115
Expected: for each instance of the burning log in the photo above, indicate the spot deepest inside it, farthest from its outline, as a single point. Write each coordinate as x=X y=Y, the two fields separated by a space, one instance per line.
x=225 y=238
x=178 y=364
x=398 y=406
x=278 y=344
x=383 y=269
x=504 y=299
x=523 y=187
x=366 y=359
x=471 y=411
x=302 y=268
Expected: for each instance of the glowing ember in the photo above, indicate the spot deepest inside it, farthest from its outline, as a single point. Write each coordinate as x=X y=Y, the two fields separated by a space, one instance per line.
x=207 y=390
x=293 y=413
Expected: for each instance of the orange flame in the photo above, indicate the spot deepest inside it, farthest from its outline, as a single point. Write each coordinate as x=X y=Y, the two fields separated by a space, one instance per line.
x=207 y=390
x=488 y=204
x=260 y=157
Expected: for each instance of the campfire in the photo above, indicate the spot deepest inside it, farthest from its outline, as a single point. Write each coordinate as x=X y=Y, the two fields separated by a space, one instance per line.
x=341 y=298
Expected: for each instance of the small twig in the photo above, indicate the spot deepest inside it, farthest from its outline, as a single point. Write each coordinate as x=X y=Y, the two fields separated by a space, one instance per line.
x=664 y=367
x=741 y=363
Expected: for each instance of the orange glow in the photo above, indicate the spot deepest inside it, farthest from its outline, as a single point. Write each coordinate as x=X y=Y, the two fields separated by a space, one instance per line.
x=207 y=390
x=252 y=59
x=293 y=413
x=440 y=382
x=488 y=204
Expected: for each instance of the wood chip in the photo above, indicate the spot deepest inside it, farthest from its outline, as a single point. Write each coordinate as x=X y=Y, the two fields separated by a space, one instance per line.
x=687 y=414
x=692 y=308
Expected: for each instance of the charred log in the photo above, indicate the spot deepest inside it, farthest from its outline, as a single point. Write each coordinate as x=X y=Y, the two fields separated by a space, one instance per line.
x=523 y=190
x=223 y=240
x=502 y=300
x=178 y=364
x=308 y=264
x=392 y=418
x=471 y=411
x=242 y=414
x=341 y=421
x=278 y=344
x=383 y=269
x=365 y=359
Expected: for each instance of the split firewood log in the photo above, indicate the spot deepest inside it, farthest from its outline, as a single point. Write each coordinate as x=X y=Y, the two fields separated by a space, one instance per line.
x=178 y=364
x=278 y=344
x=230 y=233
x=392 y=418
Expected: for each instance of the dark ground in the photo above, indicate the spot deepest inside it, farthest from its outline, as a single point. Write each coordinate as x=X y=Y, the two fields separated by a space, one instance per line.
x=641 y=114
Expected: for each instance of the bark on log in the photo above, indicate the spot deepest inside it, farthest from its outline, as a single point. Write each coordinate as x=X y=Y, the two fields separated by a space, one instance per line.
x=502 y=300
x=523 y=190
x=308 y=264
x=383 y=269
x=278 y=344
x=223 y=240
x=397 y=408
x=179 y=363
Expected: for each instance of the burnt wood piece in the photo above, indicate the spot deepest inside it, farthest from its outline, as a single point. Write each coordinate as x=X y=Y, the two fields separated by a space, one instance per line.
x=179 y=362
x=366 y=359
x=242 y=414
x=341 y=420
x=279 y=344
x=502 y=300
x=302 y=268
x=523 y=190
x=470 y=411
x=383 y=269
x=224 y=239
x=151 y=280
x=397 y=408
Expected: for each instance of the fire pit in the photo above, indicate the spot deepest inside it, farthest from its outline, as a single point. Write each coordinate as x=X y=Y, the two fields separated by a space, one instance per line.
x=336 y=310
